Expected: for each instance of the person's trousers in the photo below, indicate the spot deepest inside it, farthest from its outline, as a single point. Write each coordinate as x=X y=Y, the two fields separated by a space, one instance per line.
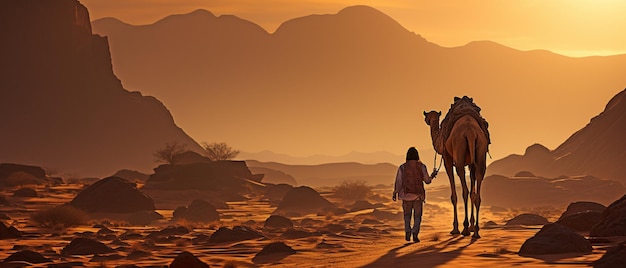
x=412 y=208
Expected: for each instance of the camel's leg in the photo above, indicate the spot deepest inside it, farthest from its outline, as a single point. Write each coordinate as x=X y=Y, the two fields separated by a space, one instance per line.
x=480 y=174
x=447 y=161
x=460 y=170
x=472 y=170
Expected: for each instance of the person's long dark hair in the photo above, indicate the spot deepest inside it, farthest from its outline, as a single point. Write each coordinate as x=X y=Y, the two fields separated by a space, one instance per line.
x=412 y=154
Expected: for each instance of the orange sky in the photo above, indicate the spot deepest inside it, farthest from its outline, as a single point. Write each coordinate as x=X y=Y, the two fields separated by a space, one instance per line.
x=570 y=27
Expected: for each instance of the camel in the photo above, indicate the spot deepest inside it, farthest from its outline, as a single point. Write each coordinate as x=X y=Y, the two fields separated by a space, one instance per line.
x=466 y=145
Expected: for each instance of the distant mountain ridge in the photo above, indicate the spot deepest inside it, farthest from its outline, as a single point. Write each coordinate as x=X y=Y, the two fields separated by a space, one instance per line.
x=62 y=107
x=350 y=78
x=354 y=156
x=598 y=149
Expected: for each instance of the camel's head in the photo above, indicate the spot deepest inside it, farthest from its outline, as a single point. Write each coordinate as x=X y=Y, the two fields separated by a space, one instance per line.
x=432 y=117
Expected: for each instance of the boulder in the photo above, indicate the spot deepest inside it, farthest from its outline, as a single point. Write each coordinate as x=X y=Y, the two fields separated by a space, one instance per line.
x=527 y=219
x=614 y=257
x=277 y=221
x=113 y=195
x=27 y=256
x=9 y=232
x=197 y=211
x=85 y=246
x=581 y=221
x=581 y=206
x=303 y=200
x=238 y=233
x=273 y=252
x=187 y=260
x=553 y=239
x=25 y=192
x=613 y=222
x=276 y=192
x=218 y=176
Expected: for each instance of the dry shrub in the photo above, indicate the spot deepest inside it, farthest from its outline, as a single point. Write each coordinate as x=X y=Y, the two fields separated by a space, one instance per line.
x=60 y=217
x=352 y=190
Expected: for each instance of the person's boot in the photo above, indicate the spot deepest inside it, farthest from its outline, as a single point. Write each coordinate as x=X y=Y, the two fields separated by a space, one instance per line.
x=408 y=236
x=415 y=239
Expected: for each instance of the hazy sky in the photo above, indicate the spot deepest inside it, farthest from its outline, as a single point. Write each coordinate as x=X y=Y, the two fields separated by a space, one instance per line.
x=570 y=27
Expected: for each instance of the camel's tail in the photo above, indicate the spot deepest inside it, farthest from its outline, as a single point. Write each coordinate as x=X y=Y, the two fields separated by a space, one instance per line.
x=471 y=144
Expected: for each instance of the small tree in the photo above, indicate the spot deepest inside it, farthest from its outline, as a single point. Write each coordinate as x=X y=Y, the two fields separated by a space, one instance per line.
x=170 y=152
x=219 y=151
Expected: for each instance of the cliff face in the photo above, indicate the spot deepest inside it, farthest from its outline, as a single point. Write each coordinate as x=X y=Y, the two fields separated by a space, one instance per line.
x=597 y=149
x=61 y=105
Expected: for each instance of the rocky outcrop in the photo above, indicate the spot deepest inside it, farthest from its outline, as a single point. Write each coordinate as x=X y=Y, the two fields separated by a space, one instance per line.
x=597 y=149
x=582 y=206
x=27 y=256
x=237 y=233
x=16 y=174
x=197 y=211
x=303 y=200
x=273 y=251
x=581 y=221
x=187 y=260
x=218 y=176
x=613 y=221
x=9 y=232
x=85 y=246
x=553 y=239
x=277 y=221
x=112 y=195
x=60 y=81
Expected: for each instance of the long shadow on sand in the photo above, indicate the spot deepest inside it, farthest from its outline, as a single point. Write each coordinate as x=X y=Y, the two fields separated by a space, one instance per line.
x=429 y=256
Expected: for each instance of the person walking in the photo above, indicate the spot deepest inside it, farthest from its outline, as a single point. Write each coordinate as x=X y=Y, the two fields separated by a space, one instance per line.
x=409 y=187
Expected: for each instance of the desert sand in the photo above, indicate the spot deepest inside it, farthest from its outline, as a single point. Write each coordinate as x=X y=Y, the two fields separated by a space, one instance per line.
x=347 y=240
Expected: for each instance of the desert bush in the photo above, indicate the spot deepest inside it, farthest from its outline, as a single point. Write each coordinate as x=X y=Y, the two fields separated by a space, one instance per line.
x=352 y=190
x=219 y=151
x=60 y=217
x=170 y=153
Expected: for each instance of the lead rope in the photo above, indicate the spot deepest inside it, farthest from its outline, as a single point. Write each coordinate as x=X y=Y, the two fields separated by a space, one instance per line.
x=436 y=170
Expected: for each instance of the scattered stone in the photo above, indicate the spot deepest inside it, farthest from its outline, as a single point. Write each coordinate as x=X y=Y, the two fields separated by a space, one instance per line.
x=326 y=245
x=25 y=192
x=187 y=260
x=113 y=195
x=27 y=256
x=527 y=219
x=613 y=222
x=553 y=239
x=197 y=211
x=614 y=257
x=581 y=221
x=581 y=206
x=277 y=221
x=238 y=233
x=308 y=222
x=105 y=258
x=335 y=228
x=169 y=231
x=85 y=246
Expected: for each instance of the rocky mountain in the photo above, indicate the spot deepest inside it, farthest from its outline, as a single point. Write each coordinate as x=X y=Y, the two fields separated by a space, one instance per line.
x=62 y=107
x=598 y=149
x=354 y=156
x=348 y=80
